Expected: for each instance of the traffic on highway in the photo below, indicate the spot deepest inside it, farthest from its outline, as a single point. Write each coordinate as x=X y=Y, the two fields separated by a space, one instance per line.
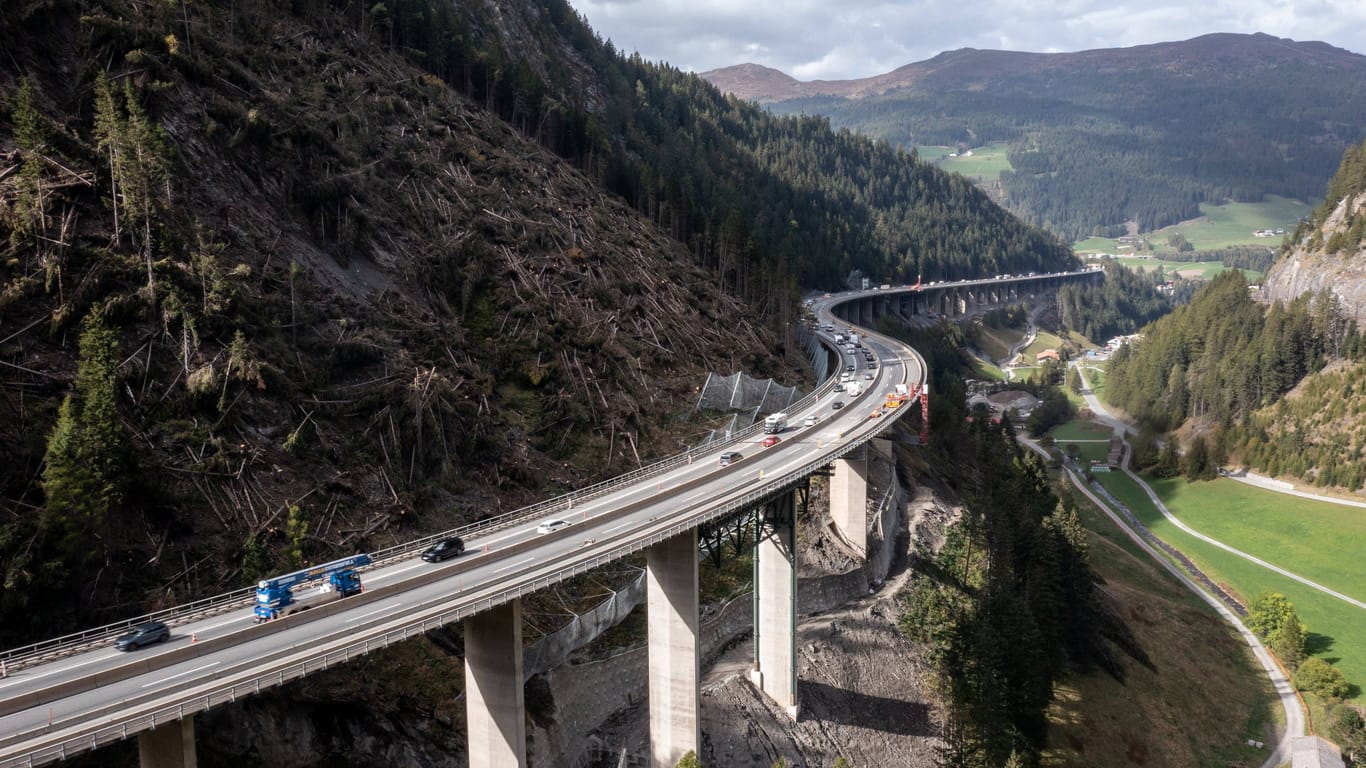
x=95 y=693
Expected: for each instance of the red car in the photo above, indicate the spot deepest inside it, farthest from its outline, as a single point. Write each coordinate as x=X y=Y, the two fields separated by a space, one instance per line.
x=771 y=441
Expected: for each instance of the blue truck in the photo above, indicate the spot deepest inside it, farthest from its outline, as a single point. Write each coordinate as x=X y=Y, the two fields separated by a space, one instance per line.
x=301 y=590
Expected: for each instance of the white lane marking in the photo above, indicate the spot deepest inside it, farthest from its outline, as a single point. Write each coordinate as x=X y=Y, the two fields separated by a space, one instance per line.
x=619 y=525
x=225 y=623
x=486 y=542
x=372 y=613
x=386 y=573
x=514 y=565
x=182 y=674
x=18 y=676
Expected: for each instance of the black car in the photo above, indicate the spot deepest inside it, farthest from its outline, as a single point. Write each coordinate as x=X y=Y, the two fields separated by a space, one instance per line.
x=835 y=406
x=145 y=633
x=444 y=550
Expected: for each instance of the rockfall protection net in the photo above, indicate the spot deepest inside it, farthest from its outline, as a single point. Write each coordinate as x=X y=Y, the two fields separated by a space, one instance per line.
x=746 y=397
x=554 y=649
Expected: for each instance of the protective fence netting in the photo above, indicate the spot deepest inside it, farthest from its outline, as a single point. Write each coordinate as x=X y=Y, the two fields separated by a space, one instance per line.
x=553 y=650
x=746 y=397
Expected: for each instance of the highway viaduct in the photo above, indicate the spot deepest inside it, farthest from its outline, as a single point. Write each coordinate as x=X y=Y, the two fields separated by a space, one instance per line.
x=103 y=696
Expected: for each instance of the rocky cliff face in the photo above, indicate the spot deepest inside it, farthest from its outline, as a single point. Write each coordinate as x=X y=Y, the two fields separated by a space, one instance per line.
x=1315 y=264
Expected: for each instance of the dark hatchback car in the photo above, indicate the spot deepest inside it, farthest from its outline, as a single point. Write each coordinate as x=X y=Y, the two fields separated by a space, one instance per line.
x=145 y=633
x=444 y=550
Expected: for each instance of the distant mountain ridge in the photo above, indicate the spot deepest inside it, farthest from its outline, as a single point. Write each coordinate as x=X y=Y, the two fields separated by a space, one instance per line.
x=1104 y=140
x=966 y=67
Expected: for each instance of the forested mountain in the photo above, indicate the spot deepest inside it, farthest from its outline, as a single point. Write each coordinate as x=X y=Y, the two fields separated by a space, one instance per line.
x=1100 y=138
x=1124 y=302
x=287 y=280
x=1254 y=378
x=757 y=199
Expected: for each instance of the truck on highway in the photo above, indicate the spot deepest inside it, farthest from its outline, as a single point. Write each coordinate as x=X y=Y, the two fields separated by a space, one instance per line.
x=775 y=423
x=898 y=395
x=310 y=587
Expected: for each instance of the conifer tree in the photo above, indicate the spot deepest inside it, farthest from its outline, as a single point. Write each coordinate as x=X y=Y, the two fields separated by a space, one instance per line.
x=85 y=472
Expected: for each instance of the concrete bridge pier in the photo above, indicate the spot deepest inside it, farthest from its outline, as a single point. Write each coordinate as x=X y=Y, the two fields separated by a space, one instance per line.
x=170 y=745
x=848 y=501
x=671 y=600
x=495 y=707
x=775 y=605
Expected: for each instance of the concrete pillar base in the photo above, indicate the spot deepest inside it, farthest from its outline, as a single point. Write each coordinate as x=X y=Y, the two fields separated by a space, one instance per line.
x=495 y=708
x=672 y=617
x=170 y=745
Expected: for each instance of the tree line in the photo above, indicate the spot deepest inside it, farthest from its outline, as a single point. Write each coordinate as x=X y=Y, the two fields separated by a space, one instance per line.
x=1009 y=606
x=764 y=202
x=1093 y=150
x=1124 y=302
x=1347 y=183
x=1228 y=361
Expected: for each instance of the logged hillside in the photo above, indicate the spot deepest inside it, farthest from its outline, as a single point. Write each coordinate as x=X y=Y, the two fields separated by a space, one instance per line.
x=1328 y=252
x=322 y=302
x=762 y=202
x=284 y=282
x=1219 y=117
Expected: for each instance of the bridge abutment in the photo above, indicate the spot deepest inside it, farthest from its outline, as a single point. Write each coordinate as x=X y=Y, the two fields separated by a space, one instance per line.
x=495 y=706
x=671 y=595
x=775 y=606
x=170 y=745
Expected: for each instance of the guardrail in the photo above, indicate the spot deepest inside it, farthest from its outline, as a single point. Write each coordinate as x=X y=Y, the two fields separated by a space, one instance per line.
x=569 y=564
x=46 y=650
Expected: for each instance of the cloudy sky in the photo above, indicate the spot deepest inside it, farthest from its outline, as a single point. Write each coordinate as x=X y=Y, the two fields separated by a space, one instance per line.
x=839 y=39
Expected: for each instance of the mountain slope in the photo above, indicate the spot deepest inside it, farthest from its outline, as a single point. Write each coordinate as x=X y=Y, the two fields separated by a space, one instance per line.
x=1219 y=117
x=366 y=307
x=1329 y=250
x=335 y=273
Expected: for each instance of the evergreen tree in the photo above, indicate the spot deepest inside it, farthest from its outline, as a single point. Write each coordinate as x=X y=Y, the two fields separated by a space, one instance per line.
x=1288 y=642
x=86 y=472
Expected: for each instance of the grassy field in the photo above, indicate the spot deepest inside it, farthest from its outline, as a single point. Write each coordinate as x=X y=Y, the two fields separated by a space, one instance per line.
x=1337 y=630
x=984 y=370
x=1080 y=430
x=1096 y=378
x=1221 y=226
x=1084 y=435
x=984 y=163
x=1198 y=270
x=1154 y=715
x=933 y=153
x=996 y=342
x=1042 y=340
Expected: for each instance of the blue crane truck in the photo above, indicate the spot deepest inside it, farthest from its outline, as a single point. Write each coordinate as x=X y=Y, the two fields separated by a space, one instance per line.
x=294 y=592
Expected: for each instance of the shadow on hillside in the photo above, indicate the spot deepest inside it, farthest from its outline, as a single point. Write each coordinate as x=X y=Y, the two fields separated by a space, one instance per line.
x=840 y=705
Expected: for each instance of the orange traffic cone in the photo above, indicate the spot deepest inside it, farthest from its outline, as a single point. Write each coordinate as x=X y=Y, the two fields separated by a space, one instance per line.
x=194 y=637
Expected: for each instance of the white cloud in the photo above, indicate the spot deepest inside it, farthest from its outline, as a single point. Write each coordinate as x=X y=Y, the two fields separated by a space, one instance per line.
x=810 y=39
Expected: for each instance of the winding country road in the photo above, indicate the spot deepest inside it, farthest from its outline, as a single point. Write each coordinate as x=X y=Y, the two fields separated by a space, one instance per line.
x=1294 y=711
